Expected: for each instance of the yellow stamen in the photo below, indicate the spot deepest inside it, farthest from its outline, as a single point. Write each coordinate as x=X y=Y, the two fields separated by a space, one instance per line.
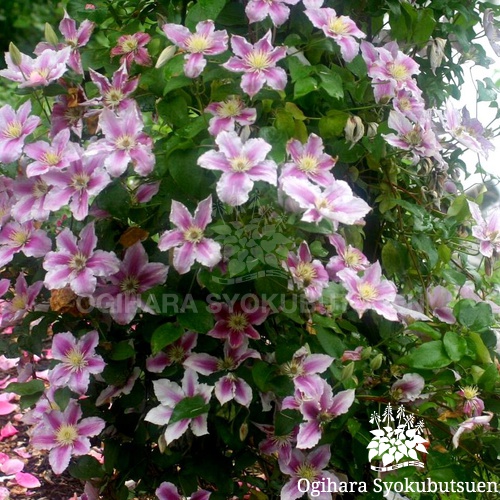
x=66 y=435
x=238 y=322
x=367 y=292
x=194 y=234
x=197 y=43
x=258 y=60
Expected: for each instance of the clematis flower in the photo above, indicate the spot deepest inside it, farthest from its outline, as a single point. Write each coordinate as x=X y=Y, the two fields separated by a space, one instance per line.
x=341 y=28
x=277 y=10
x=348 y=257
x=169 y=395
x=235 y=322
x=78 y=264
x=78 y=360
x=410 y=105
x=57 y=155
x=124 y=142
x=466 y=130
x=49 y=66
x=75 y=187
x=491 y=31
x=68 y=112
x=136 y=276
x=16 y=237
x=113 y=391
x=370 y=291
x=486 y=231
x=66 y=434
x=309 y=161
x=303 y=369
x=205 y=41
x=132 y=48
x=15 y=126
x=354 y=355
x=439 y=299
x=470 y=424
x=242 y=164
x=176 y=352
x=30 y=195
x=336 y=203
x=189 y=236
x=23 y=301
x=227 y=113
x=308 y=274
x=472 y=406
x=308 y=466
x=229 y=386
x=282 y=445
x=408 y=388
x=319 y=411
x=115 y=93
x=145 y=192
x=258 y=62
x=167 y=491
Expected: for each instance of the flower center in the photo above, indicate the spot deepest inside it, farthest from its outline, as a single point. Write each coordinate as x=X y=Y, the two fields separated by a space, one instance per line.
x=470 y=392
x=258 y=60
x=66 y=435
x=238 y=322
x=398 y=71
x=413 y=138
x=129 y=45
x=338 y=26
x=322 y=203
x=78 y=262
x=305 y=272
x=39 y=74
x=367 y=292
x=307 y=471
x=308 y=163
x=19 y=302
x=72 y=42
x=226 y=364
x=197 y=43
x=14 y=130
x=113 y=97
x=40 y=189
x=240 y=164
x=80 y=181
x=351 y=258
x=125 y=142
x=292 y=368
x=130 y=285
x=176 y=354
x=76 y=359
x=194 y=234
x=20 y=237
x=51 y=158
x=229 y=108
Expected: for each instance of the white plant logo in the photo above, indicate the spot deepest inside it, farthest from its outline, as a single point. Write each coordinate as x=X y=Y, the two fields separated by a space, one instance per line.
x=396 y=440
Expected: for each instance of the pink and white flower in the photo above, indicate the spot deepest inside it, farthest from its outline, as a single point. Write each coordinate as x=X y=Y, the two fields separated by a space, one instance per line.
x=16 y=237
x=136 y=276
x=205 y=41
x=168 y=491
x=15 y=126
x=277 y=10
x=78 y=264
x=258 y=62
x=487 y=231
x=66 y=434
x=341 y=28
x=370 y=291
x=169 y=395
x=115 y=93
x=24 y=299
x=132 y=48
x=309 y=161
x=124 y=142
x=470 y=424
x=439 y=299
x=228 y=113
x=176 y=352
x=473 y=405
x=308 y=274
x=78 y=360
x=29 y=201
x=189 y=238
x=55 y=156
x=242 y=164
x=336 y=203
x=49 y=66
x=491 y=31
x=408 y=388
x=348 y=257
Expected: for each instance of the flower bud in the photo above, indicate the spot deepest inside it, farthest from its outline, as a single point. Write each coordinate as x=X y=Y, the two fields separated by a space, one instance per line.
x=243 y=431
x=354 y=130
x=162 y=443
x=347 y=372
x=366 y=353
x=50 y=35
x=371 y=129
x=376 y=362
x=436 y=53
x=165 y=56
x=476 y=372
x=15 y=54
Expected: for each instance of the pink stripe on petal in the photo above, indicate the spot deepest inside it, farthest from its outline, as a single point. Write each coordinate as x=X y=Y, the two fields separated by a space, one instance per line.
x=184 y=257
x=234 y=188
x=180 y=216
x=59 y=458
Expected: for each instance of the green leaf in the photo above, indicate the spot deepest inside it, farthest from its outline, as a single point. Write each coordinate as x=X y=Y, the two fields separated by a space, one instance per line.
x=333 y=125
x=114 y=199
x=277 y=139
x=122 y=350
x=203 y=10
x=459 y=208
x=62 y=397
x=86 y=468
x=304 y=86
x=330 y=341
x=261 y=374
x=395 y=258
x=420 y=326
x=428 y=356
x=164 y=335
x=475 y=316
x=189 y=407
x=285 y=421
x=482 y=353
x=196 y=317
x=332 y=83
x=26 y=388
x=454 y=345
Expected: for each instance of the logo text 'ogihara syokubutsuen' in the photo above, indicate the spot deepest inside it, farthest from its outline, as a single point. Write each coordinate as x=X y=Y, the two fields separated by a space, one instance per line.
x=397 y=440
